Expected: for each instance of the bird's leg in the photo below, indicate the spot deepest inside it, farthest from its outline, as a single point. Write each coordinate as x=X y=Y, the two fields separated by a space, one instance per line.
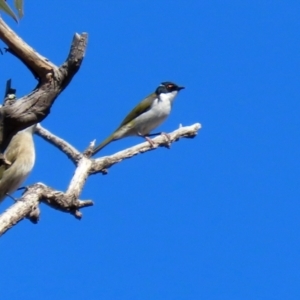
x=167 y=136
x=147 y=139
x=11 y=197
x=150 y=141
x=22 y=188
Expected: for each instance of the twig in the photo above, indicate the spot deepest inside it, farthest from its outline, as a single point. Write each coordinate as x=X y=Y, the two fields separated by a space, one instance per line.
x=71 y=152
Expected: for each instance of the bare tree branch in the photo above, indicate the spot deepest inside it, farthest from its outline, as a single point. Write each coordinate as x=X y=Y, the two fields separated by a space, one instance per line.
x=52 y=80
x=28 y=205
x=38 y=64
x=79 y=178
x=59 y=143
x=103 y=163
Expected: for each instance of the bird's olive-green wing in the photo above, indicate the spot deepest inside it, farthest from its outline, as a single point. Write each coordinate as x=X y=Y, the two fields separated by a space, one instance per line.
x=139 y=109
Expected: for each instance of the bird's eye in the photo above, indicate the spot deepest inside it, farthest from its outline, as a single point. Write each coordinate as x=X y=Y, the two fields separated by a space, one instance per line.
x=170 y=85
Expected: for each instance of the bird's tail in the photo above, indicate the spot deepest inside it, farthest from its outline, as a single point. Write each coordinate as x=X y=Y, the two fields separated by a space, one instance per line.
x=103 y=144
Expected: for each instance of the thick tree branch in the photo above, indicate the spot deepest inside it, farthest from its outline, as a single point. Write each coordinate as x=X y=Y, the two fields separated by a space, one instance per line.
x=27 y=206
x=17 y=212
x=38 y=64
x=35 y=106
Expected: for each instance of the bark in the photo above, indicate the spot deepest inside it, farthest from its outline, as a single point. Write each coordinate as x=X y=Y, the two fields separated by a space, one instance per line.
x=18 y=114
x=28 y=205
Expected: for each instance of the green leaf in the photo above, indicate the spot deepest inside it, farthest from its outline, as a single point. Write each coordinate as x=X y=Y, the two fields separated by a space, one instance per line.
x=4 y=6
x=19 y=6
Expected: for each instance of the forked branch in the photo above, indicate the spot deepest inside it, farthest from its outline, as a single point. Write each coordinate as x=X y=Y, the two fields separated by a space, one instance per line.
x=28 y=205
x=52 y=80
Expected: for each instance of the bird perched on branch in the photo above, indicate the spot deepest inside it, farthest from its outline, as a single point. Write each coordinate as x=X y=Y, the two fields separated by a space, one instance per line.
x=146 y=116
x=20 y=153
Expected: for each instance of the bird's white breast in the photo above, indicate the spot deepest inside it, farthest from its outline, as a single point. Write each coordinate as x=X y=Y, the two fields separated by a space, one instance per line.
x=158 y=112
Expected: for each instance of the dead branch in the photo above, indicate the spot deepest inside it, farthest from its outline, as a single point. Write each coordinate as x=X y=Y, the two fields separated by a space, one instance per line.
x=37 y=64
x=103 y=163
x=59 y=143
x=28 y=205
x=52 y=80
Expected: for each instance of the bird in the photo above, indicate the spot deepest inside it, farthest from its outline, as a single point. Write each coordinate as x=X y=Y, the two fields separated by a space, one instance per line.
x=20 y=153
x=146 y=116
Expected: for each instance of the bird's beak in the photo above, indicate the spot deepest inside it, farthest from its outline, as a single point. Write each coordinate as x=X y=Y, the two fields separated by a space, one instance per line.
x=180 y=88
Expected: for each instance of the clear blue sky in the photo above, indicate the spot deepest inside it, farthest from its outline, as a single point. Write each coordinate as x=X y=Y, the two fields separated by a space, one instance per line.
x=217 y=217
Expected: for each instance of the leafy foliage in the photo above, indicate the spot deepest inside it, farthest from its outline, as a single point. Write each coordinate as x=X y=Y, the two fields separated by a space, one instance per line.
x=18 y=4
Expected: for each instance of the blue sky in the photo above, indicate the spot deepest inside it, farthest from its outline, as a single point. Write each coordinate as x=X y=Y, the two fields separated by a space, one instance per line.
x=216 y=217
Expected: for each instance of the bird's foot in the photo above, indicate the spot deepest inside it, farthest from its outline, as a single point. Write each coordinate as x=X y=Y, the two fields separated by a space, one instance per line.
x=22 y=188
x=152 y=144
x=168 y=138
x=11 y=197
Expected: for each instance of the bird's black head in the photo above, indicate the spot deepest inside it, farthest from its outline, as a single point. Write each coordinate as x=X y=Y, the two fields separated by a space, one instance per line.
x=168 y=87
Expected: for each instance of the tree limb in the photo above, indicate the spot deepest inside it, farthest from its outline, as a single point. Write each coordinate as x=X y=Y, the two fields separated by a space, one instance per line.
x=103 y=163
x=28 y=205
x=52 y=80
x=37 y=64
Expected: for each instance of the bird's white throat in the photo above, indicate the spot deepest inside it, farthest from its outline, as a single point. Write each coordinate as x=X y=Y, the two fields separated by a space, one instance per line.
x=168 y=96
